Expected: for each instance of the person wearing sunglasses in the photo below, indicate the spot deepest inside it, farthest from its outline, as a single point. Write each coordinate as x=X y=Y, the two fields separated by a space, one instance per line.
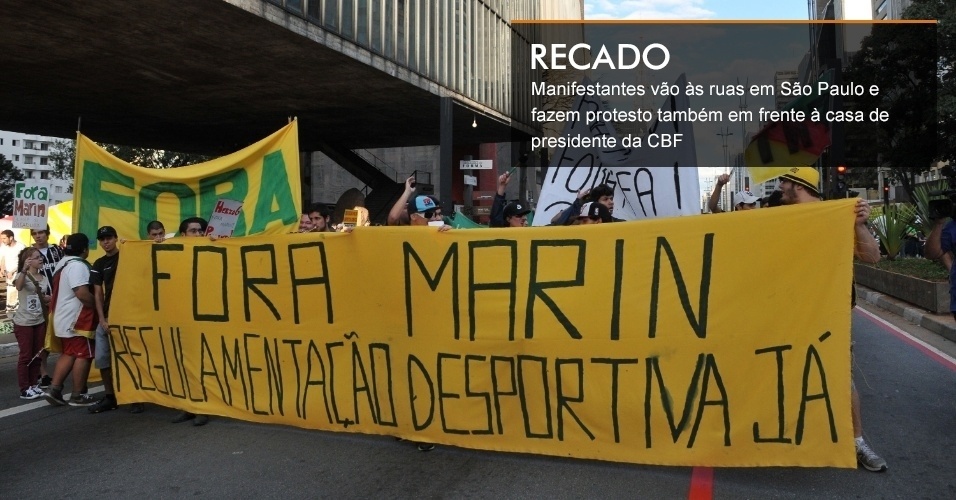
x=425 y=210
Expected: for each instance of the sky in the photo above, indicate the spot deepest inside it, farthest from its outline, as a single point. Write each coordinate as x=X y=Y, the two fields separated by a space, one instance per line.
x=695 y=9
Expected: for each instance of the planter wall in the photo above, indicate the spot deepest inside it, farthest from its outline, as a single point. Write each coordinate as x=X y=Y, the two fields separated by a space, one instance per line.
x=930 y=295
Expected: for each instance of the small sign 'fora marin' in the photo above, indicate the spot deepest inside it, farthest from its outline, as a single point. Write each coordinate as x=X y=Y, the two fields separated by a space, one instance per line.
x=31 y=201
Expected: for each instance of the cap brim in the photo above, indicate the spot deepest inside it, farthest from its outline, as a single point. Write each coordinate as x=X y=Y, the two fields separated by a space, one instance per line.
x=797 y=180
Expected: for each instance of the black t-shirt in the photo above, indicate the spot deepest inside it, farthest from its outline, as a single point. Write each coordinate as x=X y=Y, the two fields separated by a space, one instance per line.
x=51 y=255
x=102 y=273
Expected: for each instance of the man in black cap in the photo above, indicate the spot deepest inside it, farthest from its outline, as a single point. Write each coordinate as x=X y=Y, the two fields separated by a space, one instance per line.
x=516 y=214
x=102 y=275
x=73 y=311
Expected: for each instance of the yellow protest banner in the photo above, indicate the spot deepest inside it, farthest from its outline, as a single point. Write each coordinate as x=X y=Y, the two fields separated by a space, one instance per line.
x=717 y=340
x=264 y=176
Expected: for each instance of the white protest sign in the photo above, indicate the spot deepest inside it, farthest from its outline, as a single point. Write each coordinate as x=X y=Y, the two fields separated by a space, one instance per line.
x=658 y=181
x=223 y=220
x=31 y=200
x=648 y=181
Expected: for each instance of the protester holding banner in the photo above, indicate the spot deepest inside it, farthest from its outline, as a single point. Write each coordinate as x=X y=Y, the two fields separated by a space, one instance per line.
x=73 y=312
x=51 y=254
x=425 y=210
x=799 y=185
x=192 y=227
x=743 y=200
x=156 y=231
x=319 y=216
x=102 y=275
x=29 y=321
x=9 y=254
x=305 y=224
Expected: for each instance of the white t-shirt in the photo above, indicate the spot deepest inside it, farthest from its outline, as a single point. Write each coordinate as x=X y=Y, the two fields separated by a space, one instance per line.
x=11 y=254
x=30 y=309
x=68 y=307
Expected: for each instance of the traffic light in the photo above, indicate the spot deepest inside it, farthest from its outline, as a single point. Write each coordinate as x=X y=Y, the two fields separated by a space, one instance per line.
x=839 y=186
x=841 y=178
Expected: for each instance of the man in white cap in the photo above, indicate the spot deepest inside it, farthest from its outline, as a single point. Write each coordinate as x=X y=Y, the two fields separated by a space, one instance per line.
x=799 y=185
x=594 y=213
x=743 y=200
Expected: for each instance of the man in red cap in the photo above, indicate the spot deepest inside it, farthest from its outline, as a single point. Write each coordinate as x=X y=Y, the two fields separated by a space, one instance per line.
x=799 y=185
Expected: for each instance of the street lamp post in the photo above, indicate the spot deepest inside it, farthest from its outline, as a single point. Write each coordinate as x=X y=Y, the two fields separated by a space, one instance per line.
x=724 y=134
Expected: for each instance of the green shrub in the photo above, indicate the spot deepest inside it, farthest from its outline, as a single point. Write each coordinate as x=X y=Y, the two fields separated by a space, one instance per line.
x=918 y=268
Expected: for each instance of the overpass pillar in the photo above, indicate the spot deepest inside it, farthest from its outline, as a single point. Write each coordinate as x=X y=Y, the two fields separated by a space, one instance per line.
x=445 y=167
x=305 y=178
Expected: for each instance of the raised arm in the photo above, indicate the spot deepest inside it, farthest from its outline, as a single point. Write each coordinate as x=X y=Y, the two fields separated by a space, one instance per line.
x=865 y=246
x=395 y=214
x=722 y=180
x=498 y=205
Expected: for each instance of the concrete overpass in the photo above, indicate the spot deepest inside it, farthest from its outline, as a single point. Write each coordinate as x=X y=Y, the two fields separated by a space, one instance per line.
x=212 y=76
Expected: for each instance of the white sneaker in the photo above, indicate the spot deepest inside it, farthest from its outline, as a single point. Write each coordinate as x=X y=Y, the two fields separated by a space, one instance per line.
x=31 y=393
x=868 y=458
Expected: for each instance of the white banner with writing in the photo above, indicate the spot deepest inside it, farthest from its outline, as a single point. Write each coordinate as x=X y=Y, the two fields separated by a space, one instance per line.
x=652 y=180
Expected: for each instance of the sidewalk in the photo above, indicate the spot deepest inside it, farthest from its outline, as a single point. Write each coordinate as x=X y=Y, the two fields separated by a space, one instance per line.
x=941 y=324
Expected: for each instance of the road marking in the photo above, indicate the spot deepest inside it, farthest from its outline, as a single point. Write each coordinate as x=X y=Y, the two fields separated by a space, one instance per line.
x=934 y=353
x=701 y=484
x=16 y=410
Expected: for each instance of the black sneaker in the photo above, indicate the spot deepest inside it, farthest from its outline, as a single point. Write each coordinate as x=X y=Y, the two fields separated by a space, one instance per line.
x=106 y=404
x=183 y=416
x=55 y=397
x=137 y=407
x=45 y=382
x=426 y=446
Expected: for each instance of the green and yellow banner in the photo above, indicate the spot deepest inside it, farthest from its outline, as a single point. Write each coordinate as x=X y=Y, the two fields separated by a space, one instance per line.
x=264 y=176
x=720 y=340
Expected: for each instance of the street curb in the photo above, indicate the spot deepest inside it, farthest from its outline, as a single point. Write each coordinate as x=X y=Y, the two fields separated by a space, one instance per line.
x=9 y=349
x=940 y=324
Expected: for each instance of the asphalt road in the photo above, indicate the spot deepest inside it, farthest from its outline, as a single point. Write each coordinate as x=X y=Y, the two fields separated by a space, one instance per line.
x=909 y=414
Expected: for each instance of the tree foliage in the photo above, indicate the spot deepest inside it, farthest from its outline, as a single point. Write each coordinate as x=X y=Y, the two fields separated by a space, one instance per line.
x=9 y=175
x=62 y=157
x=153 y=158
x=899 y=58
x=913 y=65
x=944 y=11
